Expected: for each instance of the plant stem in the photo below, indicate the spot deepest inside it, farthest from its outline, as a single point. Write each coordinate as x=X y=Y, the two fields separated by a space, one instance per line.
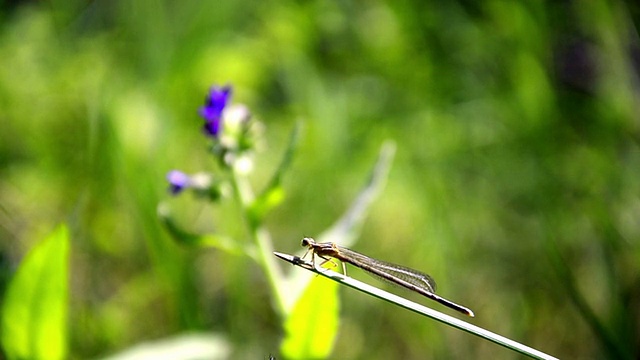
x=260 y=238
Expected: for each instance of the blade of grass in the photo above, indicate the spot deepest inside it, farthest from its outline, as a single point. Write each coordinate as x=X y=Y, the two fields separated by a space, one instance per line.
x=417 y=308
x=566 y=277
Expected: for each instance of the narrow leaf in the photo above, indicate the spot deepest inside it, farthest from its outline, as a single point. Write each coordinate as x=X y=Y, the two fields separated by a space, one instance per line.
x=347 y=228
x=273 y=194
x=312 y=326
x=34 y=315
x=186 y=238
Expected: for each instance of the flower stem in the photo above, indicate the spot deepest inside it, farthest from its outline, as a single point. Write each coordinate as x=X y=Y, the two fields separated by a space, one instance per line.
x=260 y=238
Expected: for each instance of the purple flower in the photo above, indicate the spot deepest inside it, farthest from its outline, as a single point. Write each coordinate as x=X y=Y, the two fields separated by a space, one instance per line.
x=211 y=112
x=178 y=181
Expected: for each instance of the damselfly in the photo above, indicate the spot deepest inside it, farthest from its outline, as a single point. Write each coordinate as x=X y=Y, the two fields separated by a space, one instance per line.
x=399 y=275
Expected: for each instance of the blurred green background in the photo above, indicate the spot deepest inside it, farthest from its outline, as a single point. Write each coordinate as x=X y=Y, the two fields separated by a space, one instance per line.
x=516 y=182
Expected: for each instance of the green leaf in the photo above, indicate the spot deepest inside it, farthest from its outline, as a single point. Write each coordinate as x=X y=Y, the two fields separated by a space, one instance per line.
x=179 y=234
x=312 y=325
x=347 y=228
x=186 y=238
x=34 y=315
x=268 y=200
x=273 y=194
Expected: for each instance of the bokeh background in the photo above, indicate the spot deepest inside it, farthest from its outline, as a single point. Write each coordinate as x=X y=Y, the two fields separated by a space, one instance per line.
x=516 y=182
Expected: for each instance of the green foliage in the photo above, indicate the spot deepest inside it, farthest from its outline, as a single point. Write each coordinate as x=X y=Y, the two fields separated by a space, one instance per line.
x=34 y=312
x=515 y=183
x=311 y=318
x=273 y=194
x=312 y=325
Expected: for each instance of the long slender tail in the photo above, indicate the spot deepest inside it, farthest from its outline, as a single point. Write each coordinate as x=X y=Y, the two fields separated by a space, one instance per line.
x=452 y=305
